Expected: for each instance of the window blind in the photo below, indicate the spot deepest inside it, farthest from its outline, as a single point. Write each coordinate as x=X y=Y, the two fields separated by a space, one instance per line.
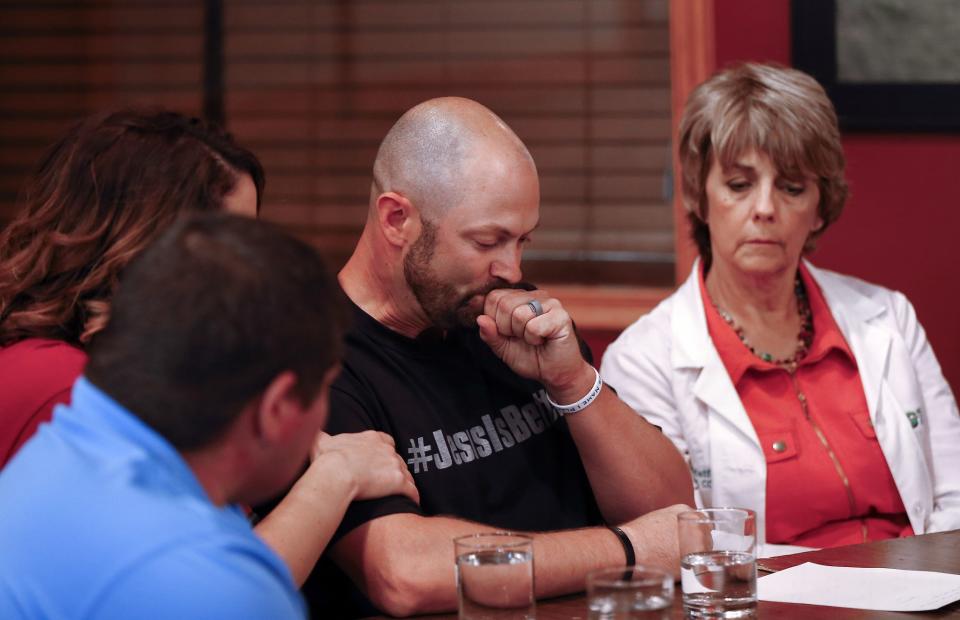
x=60 y=61
x=312 y=87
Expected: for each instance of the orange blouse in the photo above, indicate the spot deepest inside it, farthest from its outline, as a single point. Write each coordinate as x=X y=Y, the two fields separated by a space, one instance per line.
x=828 y=483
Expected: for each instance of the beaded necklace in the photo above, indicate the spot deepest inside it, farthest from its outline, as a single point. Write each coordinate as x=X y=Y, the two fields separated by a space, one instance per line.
x=804 y=337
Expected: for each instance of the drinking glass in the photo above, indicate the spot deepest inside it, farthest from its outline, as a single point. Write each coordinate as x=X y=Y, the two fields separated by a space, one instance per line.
x=495 y=576
x=633 y=592
x=718 y=565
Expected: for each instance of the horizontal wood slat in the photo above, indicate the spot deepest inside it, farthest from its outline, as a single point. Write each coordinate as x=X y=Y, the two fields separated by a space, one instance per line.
x=419 y=15
x=104 y=47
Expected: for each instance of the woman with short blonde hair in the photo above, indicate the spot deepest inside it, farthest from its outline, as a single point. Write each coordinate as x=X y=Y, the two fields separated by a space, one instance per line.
x=811 y=397
x=784 y=112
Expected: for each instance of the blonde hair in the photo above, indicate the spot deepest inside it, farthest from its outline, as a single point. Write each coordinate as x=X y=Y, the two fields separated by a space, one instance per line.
x=782 y=112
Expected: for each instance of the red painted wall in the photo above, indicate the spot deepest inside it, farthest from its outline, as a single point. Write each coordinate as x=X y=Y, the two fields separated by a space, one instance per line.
x=901 y=226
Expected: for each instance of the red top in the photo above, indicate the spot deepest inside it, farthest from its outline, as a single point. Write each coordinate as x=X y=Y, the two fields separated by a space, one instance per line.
x=35 y=376
x=828 y=483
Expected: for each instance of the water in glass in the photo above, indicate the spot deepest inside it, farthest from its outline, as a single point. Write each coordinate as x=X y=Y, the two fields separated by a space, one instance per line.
x=496 y=584
x=721 y=584
x=619 y=605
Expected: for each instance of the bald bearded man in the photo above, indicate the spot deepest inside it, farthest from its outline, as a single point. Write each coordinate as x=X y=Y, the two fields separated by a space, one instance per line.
x=466 y=371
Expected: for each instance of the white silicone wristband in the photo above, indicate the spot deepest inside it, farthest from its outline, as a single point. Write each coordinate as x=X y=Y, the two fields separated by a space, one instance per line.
x=584 y=402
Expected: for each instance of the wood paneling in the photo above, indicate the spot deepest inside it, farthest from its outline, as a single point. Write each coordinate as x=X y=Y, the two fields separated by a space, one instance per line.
x=692 y=53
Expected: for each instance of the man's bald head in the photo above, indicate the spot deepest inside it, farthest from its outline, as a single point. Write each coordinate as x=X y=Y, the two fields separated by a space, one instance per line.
x=434 y=152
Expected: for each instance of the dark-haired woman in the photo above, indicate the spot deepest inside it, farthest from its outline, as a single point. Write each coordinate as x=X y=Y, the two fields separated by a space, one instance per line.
x=99 y=196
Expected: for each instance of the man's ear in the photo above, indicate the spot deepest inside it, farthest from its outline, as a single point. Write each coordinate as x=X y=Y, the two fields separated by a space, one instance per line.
x=279 y=409
x=399 y=220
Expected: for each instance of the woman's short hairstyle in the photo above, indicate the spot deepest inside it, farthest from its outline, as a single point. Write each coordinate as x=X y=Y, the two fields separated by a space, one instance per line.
x=779 y=111
x=97 y=199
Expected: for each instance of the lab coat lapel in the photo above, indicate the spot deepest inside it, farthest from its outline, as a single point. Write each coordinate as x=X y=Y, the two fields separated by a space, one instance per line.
x=694 y=351
x=869 y=341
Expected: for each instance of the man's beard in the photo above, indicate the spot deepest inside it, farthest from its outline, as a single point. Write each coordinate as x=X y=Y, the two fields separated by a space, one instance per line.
x=441 y=302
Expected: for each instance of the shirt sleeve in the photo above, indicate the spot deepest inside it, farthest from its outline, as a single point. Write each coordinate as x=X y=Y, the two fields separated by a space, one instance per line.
x=349 y=414
x=201 y=581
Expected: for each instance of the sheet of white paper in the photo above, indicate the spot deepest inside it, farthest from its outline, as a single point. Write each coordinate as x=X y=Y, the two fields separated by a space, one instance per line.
x=882 y=589
x=769 y=550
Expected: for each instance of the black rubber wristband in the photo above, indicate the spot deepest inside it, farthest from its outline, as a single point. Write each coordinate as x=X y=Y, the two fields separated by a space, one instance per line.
x=627 y=545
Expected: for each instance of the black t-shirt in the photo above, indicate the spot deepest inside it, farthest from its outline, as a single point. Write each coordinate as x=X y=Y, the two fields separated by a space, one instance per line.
x=481 y=442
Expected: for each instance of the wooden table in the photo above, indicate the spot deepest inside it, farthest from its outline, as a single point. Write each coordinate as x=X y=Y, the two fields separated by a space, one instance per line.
x=935 y=552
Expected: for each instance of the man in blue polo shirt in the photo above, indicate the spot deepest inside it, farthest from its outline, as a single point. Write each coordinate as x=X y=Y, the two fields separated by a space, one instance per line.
x=207 y=389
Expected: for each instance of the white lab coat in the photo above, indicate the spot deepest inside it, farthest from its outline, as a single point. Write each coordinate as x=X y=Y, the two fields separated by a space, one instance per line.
x=666 y=367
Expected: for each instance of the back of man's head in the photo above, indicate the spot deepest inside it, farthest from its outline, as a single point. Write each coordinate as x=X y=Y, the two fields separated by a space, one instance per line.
x=207 y=317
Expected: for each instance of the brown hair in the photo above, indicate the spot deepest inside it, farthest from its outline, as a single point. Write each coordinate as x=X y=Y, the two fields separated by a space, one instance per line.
x=99 y=196
x=782 y=112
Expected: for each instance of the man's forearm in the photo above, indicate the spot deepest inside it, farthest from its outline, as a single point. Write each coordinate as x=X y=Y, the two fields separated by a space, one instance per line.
x=562 y=559
x=633 y=468
x=405 y=563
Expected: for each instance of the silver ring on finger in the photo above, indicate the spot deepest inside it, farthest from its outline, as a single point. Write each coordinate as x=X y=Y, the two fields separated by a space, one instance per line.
x=535 y=305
